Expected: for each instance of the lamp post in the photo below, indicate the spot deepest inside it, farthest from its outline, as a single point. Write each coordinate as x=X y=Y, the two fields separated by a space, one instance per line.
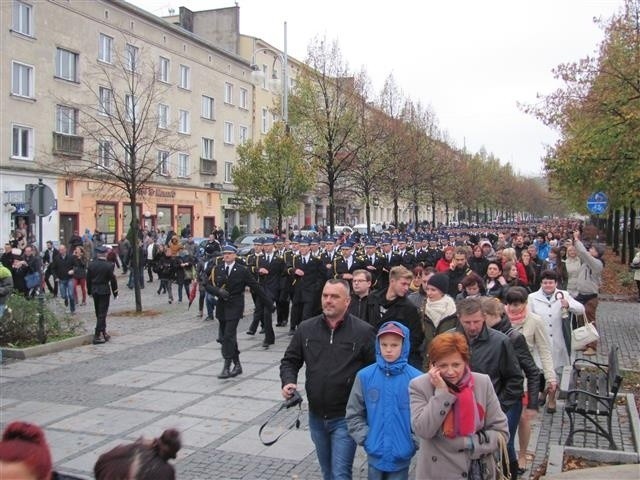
x=285 y=74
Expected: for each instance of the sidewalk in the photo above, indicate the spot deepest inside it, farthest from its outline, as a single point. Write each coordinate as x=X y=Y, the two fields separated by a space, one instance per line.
x=160 y=372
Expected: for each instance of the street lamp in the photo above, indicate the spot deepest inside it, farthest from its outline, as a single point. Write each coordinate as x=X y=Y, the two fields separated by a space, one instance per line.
x=257 y=73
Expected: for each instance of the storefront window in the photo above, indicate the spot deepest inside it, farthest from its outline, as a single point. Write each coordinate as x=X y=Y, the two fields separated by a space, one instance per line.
x=164 y=216
x=185 y=217
x=106 y=221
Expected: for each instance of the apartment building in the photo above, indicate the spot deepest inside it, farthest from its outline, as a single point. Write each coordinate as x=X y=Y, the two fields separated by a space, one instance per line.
x=56 y=54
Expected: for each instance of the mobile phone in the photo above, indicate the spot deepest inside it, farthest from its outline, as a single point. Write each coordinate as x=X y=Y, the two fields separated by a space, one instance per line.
x=453 y=387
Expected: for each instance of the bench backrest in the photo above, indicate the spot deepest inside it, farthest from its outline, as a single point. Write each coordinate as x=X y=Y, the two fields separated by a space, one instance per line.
x=613 y=372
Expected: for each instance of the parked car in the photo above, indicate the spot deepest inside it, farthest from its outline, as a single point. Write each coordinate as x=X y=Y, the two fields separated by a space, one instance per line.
x=361 y=228
x=245 y=243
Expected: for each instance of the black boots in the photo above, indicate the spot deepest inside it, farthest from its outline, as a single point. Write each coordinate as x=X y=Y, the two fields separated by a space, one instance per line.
x=237 y=368
x=225 y=370
x=98 y=339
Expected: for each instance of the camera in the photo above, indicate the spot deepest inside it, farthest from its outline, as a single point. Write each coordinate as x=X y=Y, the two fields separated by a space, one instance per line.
x=294 y=400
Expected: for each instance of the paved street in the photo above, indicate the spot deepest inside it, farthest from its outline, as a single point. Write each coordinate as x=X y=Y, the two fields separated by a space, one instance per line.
x=160 y=371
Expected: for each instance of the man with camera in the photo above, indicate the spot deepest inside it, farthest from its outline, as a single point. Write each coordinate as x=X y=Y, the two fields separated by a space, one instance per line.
x=334 y=346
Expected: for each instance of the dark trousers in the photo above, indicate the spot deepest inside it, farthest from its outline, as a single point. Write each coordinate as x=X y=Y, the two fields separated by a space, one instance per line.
x=263 y=317
x=301 y=311
x=150 y=270
x=101 y=306
x=282 y=307
x=52 y=289
x=229 y=334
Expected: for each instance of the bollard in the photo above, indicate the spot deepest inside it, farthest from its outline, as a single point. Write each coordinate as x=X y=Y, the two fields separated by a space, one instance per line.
x=42 y=333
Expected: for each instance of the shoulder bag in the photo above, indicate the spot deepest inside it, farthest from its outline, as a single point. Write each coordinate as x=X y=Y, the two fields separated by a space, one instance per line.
x=584 y=335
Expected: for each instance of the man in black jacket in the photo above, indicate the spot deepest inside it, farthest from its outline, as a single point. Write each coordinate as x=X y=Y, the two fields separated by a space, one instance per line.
x=101 y=283
x=62 y=269
x=228 y=282
x=393 y=304
x=491 y=353
x=49 y=254
x=333 y=346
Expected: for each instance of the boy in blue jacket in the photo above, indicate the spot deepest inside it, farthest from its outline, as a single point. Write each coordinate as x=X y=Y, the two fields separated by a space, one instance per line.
x=378 y=415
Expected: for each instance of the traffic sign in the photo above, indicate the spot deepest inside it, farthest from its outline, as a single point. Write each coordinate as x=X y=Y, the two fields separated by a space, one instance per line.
x=43 y=201
x=598 y=203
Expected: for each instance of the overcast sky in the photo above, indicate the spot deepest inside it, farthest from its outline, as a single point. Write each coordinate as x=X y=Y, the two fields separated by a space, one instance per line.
x=471 y=61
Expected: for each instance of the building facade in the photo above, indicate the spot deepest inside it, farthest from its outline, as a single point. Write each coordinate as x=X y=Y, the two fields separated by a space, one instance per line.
x=62 y=64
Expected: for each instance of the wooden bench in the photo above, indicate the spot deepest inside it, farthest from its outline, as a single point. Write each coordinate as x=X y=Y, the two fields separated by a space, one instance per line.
x=592 y=392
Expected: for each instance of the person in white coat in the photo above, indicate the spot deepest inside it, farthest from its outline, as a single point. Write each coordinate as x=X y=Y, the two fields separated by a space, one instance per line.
x=635 y=266
x=555 y=306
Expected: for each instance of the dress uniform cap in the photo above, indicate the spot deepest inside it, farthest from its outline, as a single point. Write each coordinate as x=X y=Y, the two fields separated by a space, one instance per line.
x=228 y=248
x=347 y=244
x=369 y=242
x=268 y=241
x=385 y=241
x=305 y=241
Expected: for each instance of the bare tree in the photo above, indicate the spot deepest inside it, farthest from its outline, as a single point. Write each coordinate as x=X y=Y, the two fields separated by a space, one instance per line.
x=122 y=139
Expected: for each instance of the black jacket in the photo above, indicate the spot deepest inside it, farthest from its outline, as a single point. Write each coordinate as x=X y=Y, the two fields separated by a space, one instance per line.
x=493 y=354
x=61 y=266
x=100 y=278
x=381 y=310
x=332 y=358
x=359 y=307
x=527 y=364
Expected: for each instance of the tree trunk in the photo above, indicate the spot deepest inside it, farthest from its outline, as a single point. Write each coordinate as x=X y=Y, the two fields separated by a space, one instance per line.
x=609 y=227
x=625 y=234
x=634 y=238
x=446 y=212
x=367 y=213
x=395 y=211
x=133 y=197
x=616 y=232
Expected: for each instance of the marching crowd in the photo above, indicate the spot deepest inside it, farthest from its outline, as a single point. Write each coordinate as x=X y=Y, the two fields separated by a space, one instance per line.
x=450 y=339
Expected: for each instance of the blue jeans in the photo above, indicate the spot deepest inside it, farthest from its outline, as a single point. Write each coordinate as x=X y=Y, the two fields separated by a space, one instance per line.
x=375 y=474
x=334 y=447
x=513 y=418
x=65 y=289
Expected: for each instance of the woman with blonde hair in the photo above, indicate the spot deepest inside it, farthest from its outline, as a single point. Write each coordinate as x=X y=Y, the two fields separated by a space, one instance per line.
x=456 y=414
x=572 y=266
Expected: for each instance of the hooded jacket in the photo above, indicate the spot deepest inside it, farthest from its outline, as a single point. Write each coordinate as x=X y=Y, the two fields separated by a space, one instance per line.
x=590 y=273
x=378 y=415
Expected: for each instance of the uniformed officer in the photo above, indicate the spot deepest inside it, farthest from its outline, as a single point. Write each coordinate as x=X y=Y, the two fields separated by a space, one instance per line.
x=309 y=277
x=407 y=259
x=347 y=262
x=101 y=284
x=374 y=262
x=270 y=269
x=228 y=282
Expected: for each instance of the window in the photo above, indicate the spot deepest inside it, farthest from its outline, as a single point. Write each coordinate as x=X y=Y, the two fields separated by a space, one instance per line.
x=68 y=188
x=208 y=105
x=22 y=142
x=163 y=70
x=243 y=134
x=183 y=165
x=66 y=65
x=228 y=93
x=105 y=48
x=184 y=126
x=131 y=109
x=163 y=116
x=228 y=132
x=22 y=79
x=131 y=57
x=207 y=148
x=243 y=98
x=185 y=77
x=265 y=120
x=227 y=172
x=22 y=18
x=163 y=162
x=106 y=101
x=66 y=120
x=105 y=153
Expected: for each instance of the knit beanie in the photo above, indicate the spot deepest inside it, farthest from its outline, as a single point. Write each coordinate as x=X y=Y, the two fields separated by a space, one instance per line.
x=439 y=281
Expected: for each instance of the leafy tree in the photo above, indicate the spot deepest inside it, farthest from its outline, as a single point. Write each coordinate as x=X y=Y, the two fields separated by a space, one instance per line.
x=271 y=175
x=324 y=117
x=118 y=125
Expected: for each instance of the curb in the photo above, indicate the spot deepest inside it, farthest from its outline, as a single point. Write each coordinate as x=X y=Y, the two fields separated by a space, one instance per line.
x=47 y=348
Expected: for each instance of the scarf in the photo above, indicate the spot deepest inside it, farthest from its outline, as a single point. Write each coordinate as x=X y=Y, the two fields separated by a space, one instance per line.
x=466 y=415
x=516 y=318
x=436 y=310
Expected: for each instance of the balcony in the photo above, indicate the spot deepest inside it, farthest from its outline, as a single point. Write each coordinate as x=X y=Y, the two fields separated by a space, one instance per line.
x=68 y=145
x=208 y=167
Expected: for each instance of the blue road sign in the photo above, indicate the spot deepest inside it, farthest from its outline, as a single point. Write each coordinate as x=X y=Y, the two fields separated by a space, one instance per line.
x=598 y=203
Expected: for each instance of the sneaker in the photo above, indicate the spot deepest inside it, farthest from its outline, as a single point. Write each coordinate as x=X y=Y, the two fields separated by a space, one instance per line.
x=66 y=302
x=170 y=301
x=106 y=336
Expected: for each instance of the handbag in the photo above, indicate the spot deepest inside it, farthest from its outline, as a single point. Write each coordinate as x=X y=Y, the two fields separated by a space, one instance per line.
x=32 y=280
x=583 y=336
